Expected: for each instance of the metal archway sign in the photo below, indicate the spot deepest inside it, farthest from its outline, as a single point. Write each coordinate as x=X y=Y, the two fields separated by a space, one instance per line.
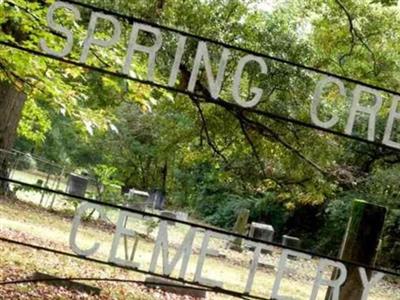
x=160 y=263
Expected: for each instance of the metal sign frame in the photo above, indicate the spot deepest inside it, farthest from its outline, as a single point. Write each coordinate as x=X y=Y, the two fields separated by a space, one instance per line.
x=213 y=97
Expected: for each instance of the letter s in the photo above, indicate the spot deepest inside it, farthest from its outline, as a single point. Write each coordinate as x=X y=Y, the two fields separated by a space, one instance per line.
x=61 y=29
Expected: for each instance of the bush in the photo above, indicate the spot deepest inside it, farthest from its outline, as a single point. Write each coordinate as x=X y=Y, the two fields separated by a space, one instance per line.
x=217 y=207
x=220 y=208
x=336 y=215
x=26 y=162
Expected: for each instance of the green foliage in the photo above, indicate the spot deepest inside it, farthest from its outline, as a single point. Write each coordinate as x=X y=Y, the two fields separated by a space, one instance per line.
x=201 y=154
x=337 y=214
x=380 y=188
x=111 y=186
x=221 y=209
x=25 y=162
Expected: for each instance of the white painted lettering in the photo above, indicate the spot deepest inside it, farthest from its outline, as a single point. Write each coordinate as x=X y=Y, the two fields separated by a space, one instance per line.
x=184 y=251
x=91 y=40
x=61 y=29
x=372 y=111
x=238 y=78
x=177 y=60
x=376 y=277
x=215 y=85
x=281 y=270
x=393 y=115
x=75 y=225
x=121 y=230
x=335 y=284
x=202 y=256
x=254 y=263
x=150 y=50
x=317 y=100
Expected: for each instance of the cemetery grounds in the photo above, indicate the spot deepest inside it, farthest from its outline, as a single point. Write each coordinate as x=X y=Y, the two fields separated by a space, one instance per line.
x=23 y=219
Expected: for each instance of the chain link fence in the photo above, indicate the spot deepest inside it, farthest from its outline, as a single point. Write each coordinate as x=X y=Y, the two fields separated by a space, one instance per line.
x=36 y=170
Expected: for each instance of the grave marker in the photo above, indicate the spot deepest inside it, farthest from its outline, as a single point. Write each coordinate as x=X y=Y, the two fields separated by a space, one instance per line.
x=366 y=224
x=291 y=241
x=77 y=185
x=158 y=200
x=241 y=228
x=182 y=216
x=169 y=214
x=262 y=232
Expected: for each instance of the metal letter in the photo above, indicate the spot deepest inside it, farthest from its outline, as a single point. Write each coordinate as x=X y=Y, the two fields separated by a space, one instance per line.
x=372 y=111
x=184 y=251
x=91 y=40
x=389 y=126
x=238 y=77
x=281 y=271
x=202 y=256
x=215 y=85
x=317 y=100
x=58 y=28
x=75 y=224
x=134 y=46
x=335 y=284
x=121 y=230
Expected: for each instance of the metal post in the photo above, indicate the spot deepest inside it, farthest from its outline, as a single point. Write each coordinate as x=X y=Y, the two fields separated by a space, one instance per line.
x=360 y=245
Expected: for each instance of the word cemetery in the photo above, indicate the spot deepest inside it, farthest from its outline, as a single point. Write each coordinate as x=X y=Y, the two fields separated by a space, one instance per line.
x=185 y=250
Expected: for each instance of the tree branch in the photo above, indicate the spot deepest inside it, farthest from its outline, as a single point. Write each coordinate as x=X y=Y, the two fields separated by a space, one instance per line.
x=355 y=35
x=269 y=132
x=237 y=111
x=253 y=147
x=205 y=128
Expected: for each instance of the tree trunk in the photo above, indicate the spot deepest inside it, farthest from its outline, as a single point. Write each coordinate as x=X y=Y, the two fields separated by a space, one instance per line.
x=164 y=174
x=11 y=103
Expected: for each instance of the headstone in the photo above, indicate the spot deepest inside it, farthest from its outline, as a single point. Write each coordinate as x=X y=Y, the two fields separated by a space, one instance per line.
x=182 y=216
x=360 y=245
x=158 y=200
x=263 y=232
x=291 y=241
x=137 y=206
x=169 y=214
x=240 y=227
x=134 y=194
x=174 y=287
x=77 y=185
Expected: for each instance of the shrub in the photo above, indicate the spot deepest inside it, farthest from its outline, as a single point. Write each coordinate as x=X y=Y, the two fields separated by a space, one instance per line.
x=337 y=214
x=26 y=162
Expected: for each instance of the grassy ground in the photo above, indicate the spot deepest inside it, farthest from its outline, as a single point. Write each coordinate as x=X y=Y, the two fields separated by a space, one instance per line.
x=51 y=181
x=29 y=223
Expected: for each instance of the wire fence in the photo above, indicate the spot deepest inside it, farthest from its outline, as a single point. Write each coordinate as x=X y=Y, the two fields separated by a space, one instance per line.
x=102 y=260
x=39 y=171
